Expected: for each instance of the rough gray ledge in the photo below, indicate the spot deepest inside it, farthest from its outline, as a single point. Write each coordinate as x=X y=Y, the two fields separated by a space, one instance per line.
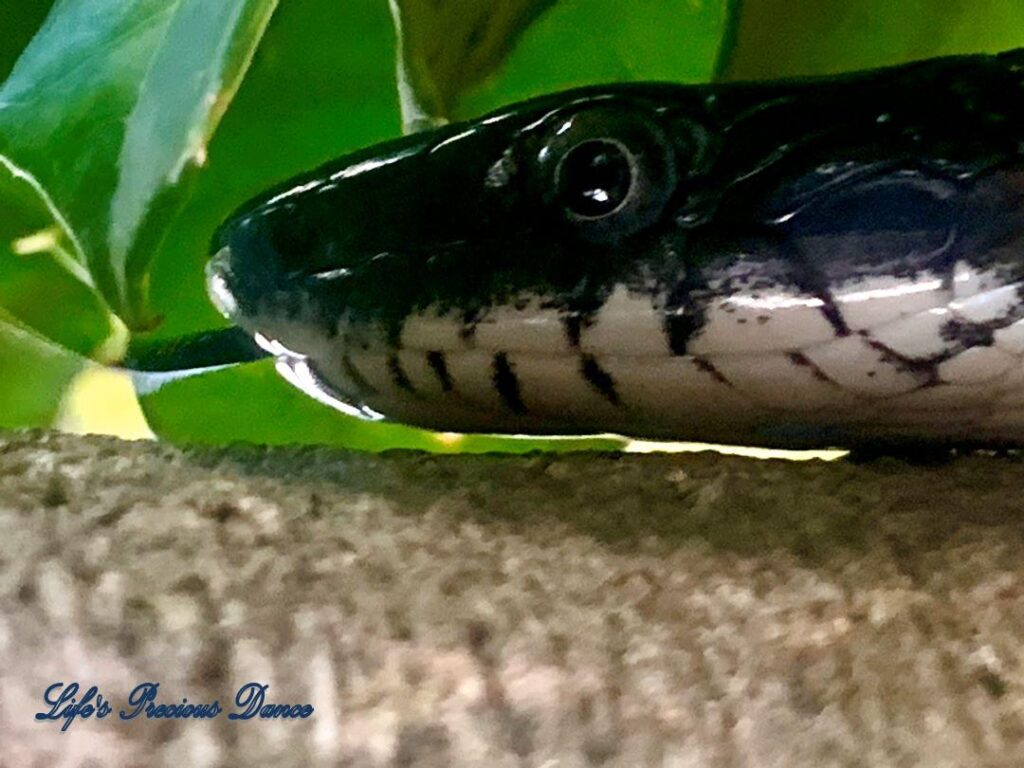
x=578 y=610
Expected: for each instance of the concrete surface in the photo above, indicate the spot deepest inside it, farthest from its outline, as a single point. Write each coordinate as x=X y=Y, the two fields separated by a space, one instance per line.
x=496 y=611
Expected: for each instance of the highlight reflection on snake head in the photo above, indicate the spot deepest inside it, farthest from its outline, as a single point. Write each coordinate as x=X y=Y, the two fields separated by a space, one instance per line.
x=792 y=263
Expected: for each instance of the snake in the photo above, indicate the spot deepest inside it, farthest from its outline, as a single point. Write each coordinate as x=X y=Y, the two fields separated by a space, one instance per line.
x=809 y=262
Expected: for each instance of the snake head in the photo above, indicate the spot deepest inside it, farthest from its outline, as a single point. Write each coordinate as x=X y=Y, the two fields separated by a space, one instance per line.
x=488 y=238
x=546 y=200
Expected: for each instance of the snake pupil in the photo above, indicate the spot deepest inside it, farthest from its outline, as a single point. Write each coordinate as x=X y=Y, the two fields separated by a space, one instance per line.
x=594 y=178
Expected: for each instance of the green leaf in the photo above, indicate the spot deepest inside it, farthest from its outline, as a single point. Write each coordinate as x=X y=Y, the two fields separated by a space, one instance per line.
x=34 y=373
x=780 y=38
x=583 y=42
x=447 y=47
x=100 y=81
x=41 y=284
x=252 y=403
x=191 y=81
x=19 y=21
x=463 y=58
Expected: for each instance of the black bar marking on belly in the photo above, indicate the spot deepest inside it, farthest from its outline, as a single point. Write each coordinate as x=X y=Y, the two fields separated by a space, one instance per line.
x=800 y=359
x=926 y=369
x=506 y=383
x=398 y=375
x=439 y=366
x=709 y=368
x=599 y=379
x=356 y=377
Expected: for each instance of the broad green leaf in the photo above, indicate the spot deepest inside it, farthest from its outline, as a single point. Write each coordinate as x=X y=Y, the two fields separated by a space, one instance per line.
x=583 y=42
x=462 y=59
x=780 y=38
x=81 y=112
x=19 y=21
x=41 y=284
x=252 y=403
x=34 y=373
x=448 y=46
x=191 y=81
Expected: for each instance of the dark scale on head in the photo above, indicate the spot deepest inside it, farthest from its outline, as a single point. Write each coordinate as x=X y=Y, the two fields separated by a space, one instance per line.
x=811 y=277
x=577 y=319
x=398 y=374
x=573 y=325
x=682 y=327
x=598 y=378
x=506 y=383
x=830 y=311
x=685 y=315
x=439 y=366
x=470 y=321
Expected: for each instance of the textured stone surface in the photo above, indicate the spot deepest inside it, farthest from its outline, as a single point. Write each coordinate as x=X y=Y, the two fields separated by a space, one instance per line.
x=547 y=611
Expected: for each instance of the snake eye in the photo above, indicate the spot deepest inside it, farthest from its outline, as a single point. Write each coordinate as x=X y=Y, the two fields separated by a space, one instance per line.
x=607 y=171
x=595 y=178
